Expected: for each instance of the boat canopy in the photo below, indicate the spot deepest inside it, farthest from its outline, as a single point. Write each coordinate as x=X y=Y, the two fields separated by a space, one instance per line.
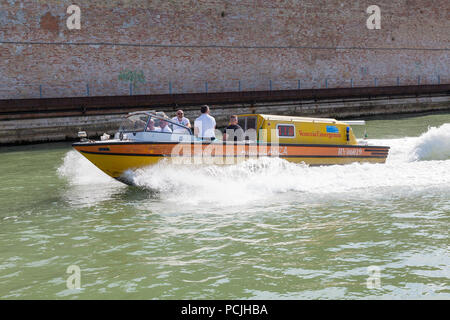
x=297 y=130
x=269 y=117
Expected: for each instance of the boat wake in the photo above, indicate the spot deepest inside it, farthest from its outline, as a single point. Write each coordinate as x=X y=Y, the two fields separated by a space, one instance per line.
x=433 y=145
x=415 y=164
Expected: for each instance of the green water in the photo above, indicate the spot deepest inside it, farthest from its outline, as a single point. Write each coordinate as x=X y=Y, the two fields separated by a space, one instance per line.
x=261 y=230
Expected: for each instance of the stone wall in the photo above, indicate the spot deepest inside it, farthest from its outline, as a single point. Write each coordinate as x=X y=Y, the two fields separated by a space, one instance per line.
x=66 y=128
x=231 y=44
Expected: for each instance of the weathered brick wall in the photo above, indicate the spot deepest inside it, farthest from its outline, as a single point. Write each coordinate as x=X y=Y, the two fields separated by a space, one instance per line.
x=187 y=42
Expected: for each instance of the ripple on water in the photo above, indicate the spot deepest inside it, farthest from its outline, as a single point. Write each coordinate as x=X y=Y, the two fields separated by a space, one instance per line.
x=266 y=229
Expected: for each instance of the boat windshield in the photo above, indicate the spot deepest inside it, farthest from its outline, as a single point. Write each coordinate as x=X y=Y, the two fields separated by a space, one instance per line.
x=163 y=125
x=134 y=123
x=148 y=123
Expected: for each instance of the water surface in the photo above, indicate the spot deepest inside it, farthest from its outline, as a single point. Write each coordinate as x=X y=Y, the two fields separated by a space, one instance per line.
x=265 y=229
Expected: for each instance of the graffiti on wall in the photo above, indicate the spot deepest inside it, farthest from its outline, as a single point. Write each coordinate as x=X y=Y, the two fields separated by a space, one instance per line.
x=134 y=77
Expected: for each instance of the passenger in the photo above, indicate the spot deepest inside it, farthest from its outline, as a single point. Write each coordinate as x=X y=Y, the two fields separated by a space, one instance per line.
x=151 y=126
x=181 y=120
x=234 y=131
x=164 y=126
x=205 y=125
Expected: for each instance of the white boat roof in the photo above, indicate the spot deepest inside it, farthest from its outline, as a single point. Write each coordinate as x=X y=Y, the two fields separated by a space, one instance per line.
x=270 y=117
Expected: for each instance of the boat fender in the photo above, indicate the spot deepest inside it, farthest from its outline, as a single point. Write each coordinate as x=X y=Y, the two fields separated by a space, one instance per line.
x=347 y=130
x=121 y=136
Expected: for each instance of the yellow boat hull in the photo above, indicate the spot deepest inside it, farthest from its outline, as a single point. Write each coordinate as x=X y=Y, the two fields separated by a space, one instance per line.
x=116 y=158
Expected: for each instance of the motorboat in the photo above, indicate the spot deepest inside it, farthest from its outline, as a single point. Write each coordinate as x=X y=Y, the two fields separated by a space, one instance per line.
x=148 y=137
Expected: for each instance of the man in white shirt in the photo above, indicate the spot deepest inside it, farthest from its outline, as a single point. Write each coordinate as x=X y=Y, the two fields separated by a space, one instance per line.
x=205 y=125
x=181 y=120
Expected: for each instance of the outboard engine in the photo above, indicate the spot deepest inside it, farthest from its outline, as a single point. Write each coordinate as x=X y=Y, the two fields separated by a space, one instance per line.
x=82 y=135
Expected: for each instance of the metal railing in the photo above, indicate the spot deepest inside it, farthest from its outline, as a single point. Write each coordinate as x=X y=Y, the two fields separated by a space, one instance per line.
x=119 y=88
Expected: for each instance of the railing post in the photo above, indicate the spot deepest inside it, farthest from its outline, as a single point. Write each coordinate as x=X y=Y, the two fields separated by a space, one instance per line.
x=270 y=85
x=351 y=82
x=439 y=79
x=299 y=84
x=170 y=87
x=40 y=91
x=326 y=83
x=131 y=88
x=375 y=82
x=87 y=90
x=239 y=85
x=398 y=81
x=418 y=80
x=206 y=86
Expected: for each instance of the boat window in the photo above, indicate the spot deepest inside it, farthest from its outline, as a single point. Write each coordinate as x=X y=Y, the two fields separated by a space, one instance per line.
x=241 y=122
x=286 y=130
x=247 y=123
x=135 y=123
x=251 y=123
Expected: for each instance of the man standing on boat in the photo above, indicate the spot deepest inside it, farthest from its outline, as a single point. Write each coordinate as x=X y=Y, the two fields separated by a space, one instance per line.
x=181 y=120
x=234 y=131
x=205 y=125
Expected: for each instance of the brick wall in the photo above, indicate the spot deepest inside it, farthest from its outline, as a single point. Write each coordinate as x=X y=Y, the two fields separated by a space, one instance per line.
x=229 y=44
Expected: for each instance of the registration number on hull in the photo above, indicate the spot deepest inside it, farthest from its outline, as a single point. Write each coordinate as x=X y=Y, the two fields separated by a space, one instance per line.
x=350 y=151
